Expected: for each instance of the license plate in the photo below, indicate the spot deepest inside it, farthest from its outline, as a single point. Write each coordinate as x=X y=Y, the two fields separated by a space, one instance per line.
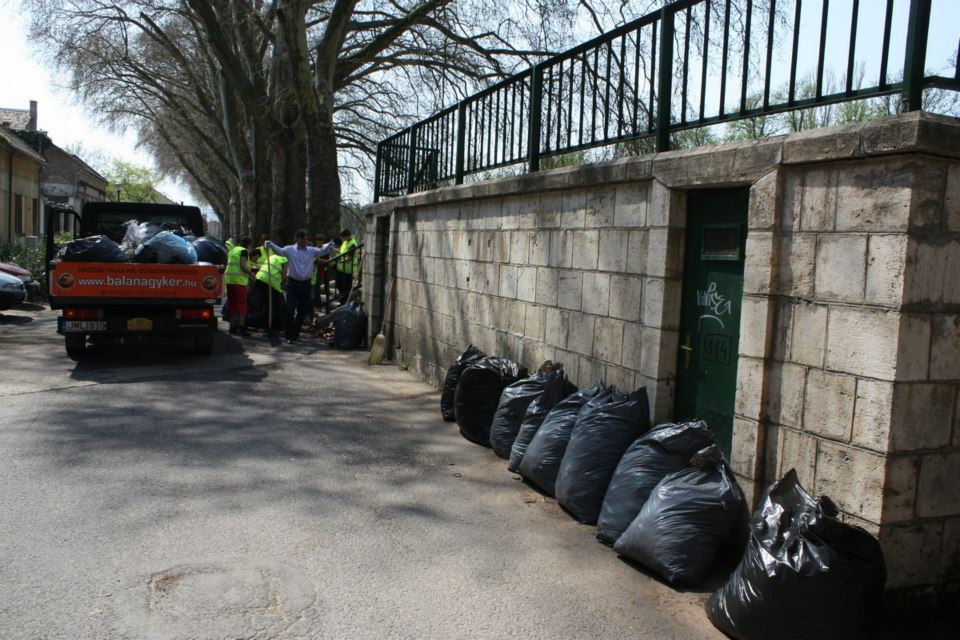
x=84 y=325
x=139 y=324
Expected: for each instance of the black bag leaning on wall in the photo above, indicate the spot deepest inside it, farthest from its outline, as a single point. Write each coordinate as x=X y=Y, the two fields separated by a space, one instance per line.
x=541 y=460
x=686 y=520
x=598 y=441
x=556 y=389
x=665 y=449
x=478 y=395
x=350 y=326
x=804 y=574
x=514 y=402
x=467 y=358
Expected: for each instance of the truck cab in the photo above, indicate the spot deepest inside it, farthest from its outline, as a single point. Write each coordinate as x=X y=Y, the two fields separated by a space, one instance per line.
x=127 y=302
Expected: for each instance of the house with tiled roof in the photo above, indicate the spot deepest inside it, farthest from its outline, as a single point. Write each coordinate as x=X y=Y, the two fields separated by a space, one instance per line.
x=19 y=119
x=20 y=196
x=65 y=178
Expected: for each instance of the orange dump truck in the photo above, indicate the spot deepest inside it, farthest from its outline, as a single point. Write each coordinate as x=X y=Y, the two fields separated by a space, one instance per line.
x=125 y=302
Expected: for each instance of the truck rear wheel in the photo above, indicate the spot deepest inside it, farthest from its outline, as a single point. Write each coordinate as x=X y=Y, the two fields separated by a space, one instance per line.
x=203 y=345
x=76 y=346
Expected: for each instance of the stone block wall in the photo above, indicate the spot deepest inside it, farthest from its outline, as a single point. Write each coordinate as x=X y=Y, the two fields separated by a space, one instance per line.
x=851 y=387
x=586 y=277
x=849 y=357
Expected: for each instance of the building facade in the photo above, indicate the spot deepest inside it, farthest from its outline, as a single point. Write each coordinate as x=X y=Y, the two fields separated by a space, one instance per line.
x=20 y=195
x=65 y=179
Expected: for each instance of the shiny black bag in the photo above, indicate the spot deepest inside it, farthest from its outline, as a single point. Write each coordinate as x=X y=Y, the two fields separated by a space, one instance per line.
x=467 y=358
x=541 y=461
x=478 y=395
x=804 y=574
x=556 y=388
x=687 y=519
x=598 y=441
x=665 y=449
x=92 y=249
x=210 y=250
x=350 y=327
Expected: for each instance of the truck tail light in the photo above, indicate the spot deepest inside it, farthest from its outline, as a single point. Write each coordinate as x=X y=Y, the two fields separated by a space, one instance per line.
x=204 y=313
x=83 y=314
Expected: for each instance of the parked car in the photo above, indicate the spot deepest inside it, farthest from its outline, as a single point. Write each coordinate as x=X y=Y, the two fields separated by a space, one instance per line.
x=31 y=285
x=12 y=291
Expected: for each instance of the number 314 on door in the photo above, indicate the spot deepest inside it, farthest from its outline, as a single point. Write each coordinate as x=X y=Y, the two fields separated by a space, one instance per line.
x=717 y=348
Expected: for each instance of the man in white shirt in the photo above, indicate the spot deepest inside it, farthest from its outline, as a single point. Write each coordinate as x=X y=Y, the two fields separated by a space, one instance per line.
x=300 y=262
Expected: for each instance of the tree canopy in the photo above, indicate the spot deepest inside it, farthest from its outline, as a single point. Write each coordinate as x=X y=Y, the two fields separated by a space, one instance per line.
x=130 y=182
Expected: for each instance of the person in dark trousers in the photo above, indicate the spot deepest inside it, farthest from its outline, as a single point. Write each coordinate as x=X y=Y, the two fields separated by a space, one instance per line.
x=270 y=281
x=301 y=258
x=346 y=268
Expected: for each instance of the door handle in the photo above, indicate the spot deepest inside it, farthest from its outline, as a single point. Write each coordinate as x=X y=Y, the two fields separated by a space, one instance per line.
x=687 y=349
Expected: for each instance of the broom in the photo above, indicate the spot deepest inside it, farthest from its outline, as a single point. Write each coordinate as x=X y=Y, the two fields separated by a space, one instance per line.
x=379 y=348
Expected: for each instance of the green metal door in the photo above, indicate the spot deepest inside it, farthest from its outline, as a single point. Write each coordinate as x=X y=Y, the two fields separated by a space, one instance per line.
x=710 y=310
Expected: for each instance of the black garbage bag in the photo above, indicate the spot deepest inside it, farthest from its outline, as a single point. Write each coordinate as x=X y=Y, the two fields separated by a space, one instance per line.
x=169 y=248
x=597 y=442
x=350 y=327
x=541 y=461
x=467 y=358
x=665 y=449
x=556 y=388
x=804 y=574
x=478 y=395
x=92 y=249
x=688 y=517
x=513 y=405
x=210 y=250
x=145 y=255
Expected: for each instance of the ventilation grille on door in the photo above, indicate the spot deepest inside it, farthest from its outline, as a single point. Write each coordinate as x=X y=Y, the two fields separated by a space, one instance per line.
x=721 y=242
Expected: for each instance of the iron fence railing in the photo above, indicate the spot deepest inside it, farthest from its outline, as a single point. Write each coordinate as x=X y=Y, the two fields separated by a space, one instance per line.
x=693 y=63
x=324 y=295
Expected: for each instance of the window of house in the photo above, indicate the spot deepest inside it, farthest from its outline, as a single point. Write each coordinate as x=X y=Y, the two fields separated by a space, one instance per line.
x=36 y=217
x=18 y=215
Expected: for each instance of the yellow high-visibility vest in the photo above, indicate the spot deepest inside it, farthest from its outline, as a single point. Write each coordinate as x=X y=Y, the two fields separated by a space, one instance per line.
x=350 y=265
x=233 y=274
x=272 y=272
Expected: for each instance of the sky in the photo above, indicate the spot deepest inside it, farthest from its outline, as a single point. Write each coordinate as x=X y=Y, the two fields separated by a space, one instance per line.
x=23 y=78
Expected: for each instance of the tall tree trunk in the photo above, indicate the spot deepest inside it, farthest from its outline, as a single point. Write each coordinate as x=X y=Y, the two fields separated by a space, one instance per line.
x=289 y=185
x=261 y=176
x=323 y=174
x=311 y=84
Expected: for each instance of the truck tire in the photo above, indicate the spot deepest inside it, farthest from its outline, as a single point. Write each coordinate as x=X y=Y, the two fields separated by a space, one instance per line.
x=203 y=345
x=76 y=346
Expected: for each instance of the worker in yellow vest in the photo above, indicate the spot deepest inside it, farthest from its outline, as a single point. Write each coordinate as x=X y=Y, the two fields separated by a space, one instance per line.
x=229 y=244
x=347 y=266
x=261 y=253
x=237 y=276
x=270 y=281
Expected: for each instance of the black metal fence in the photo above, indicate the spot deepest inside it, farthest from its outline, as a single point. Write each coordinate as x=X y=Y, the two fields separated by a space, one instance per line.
x=694 y=63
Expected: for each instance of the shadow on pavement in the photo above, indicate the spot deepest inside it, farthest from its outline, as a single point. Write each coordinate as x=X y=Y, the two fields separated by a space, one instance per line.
x=244 y=439
x=157 y=359
x=13 y=320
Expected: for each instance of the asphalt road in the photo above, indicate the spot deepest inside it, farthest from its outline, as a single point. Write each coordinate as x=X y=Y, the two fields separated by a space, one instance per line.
x=280 y=493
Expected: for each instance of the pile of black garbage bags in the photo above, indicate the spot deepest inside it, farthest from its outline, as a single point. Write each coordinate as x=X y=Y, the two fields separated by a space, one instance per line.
x=147 y=242
x=665 y=498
